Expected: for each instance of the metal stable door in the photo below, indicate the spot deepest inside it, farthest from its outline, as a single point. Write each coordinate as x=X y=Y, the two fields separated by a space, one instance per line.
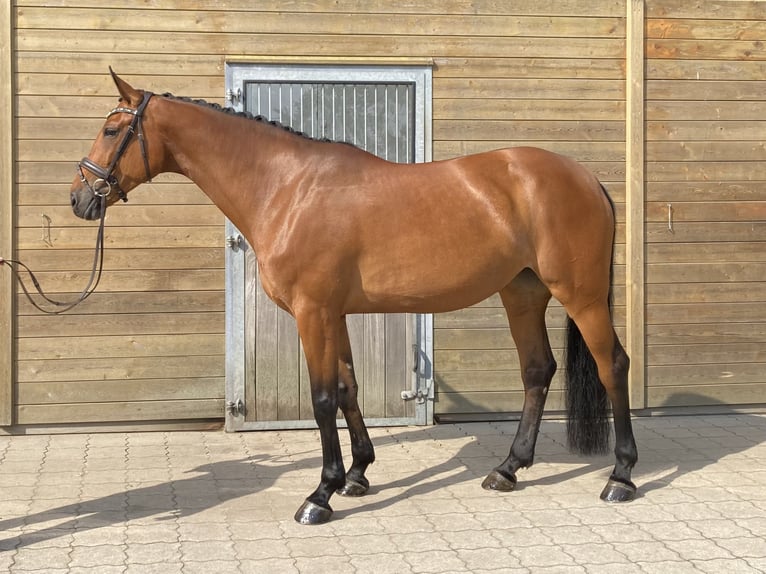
x=267 y=384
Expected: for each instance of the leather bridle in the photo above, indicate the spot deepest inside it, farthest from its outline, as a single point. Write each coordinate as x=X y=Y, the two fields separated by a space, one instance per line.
x=106 y=181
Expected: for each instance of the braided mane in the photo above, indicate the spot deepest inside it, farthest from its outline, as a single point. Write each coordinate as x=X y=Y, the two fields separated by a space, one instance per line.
x=249 y=116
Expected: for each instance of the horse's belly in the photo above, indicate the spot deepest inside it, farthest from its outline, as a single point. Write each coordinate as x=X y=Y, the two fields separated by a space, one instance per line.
x=432 y=286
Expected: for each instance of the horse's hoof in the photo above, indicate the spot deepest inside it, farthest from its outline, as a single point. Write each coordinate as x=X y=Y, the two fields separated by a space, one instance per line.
x=616 y=491
x=497 y=481
x=311 y=513
x=353 y=488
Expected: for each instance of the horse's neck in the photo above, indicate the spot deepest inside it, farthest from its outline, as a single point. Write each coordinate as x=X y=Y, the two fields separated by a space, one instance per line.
x=216 y=163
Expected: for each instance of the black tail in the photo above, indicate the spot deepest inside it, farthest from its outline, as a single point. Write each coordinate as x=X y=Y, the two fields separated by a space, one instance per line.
x=586 y=399
x=587 y=420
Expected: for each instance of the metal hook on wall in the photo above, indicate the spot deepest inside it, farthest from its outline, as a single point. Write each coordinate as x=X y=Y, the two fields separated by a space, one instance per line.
x=670 y=217
x=46 y=230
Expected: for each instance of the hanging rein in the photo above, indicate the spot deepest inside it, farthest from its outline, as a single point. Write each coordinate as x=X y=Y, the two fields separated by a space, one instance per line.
x=101 y=188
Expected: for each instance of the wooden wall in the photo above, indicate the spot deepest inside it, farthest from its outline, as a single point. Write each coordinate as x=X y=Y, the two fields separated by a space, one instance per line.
x=706 y=203
x=149 y=345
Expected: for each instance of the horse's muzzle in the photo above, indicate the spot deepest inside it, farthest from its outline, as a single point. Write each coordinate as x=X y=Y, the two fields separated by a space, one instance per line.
x=85 y=205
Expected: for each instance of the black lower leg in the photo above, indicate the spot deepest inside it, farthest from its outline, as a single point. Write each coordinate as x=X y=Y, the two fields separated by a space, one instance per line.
x=620 y=487
x=317 y=509
x=362 y=450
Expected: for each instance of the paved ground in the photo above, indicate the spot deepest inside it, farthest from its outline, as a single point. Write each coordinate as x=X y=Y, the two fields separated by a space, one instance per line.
x=213 y=502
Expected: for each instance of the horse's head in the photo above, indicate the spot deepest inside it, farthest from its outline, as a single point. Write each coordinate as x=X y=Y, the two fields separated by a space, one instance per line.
x=120 y=159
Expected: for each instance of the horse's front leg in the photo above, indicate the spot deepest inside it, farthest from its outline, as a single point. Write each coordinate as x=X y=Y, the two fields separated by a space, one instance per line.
x=319 y=329
x=361 y=445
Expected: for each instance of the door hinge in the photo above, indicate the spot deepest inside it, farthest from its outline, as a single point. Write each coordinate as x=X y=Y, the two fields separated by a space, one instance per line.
x=234 y=96
x=236 y=408
x=235 y=242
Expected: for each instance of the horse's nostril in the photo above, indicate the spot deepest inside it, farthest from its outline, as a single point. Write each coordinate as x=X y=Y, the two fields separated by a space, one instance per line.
x=73 y=200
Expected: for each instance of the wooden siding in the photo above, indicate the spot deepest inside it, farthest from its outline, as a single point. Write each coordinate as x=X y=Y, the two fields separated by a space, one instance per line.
x=564 y=75
x=706 y=203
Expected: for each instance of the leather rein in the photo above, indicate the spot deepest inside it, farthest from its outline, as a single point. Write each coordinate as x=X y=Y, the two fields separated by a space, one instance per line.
x=100 y=188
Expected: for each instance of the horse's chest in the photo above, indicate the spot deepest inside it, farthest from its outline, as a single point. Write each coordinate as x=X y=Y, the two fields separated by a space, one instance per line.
x=273 y=285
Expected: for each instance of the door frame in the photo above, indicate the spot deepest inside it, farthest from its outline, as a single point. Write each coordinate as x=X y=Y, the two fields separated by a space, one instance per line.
x=421 y=387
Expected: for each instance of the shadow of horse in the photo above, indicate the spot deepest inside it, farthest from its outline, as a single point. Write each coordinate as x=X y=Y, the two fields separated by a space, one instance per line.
x=164 y=501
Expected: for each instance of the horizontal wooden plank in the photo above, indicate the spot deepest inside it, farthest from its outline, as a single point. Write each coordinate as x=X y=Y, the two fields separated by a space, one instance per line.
x=477 y=359
x=192 y=366
x=658 y=151
x=705 y=70
x=689 y=232
x=683 y=171
x=704 y=130
x=705 y=29
x=685 y=211
x=172 y=321
x=516 y=66
x=706 y=333
x=710 y=9
x=119 y=391
x=568 y=89
x=147 y=280
x=100 y=84
x=702 y=375
x=714 y=271
x=528 y=130
x=711 y=110
x=133 y=215
x=158 y=193
x=694 y=313
x=716 y=190
x=134 y=65
x=705 y=50
x=313 y=22
x=120 y=411
x=313 y=45
x=149 y=238
x=714 y=90
x=661 y=288
x=519 y=7
x=82 y=259
x=690 y=252
x=100 y=346
x=483 y=108
x=722 y=352
x=726 y=394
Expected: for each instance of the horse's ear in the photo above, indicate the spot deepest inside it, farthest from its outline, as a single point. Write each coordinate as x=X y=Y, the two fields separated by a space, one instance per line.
x=127 y=92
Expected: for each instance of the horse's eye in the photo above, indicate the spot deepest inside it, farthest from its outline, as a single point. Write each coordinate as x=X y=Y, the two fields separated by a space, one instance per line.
x=111 y=132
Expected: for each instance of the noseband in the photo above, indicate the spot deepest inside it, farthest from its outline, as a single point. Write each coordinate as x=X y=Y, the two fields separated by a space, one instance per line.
x=106 y=179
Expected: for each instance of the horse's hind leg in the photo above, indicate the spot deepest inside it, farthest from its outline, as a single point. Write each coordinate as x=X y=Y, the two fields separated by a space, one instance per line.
x=612 y=363
x=361 y=445
x=525 y=301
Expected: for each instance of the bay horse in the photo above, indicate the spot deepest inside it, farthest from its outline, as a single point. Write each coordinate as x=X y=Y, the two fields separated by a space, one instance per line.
x=337 y=230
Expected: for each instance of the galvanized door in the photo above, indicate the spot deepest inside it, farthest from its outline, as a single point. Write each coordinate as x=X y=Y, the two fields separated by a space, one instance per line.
x=267 y=379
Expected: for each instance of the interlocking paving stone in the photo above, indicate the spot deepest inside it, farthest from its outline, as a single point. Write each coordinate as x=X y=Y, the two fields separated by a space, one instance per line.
x=208 y=502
